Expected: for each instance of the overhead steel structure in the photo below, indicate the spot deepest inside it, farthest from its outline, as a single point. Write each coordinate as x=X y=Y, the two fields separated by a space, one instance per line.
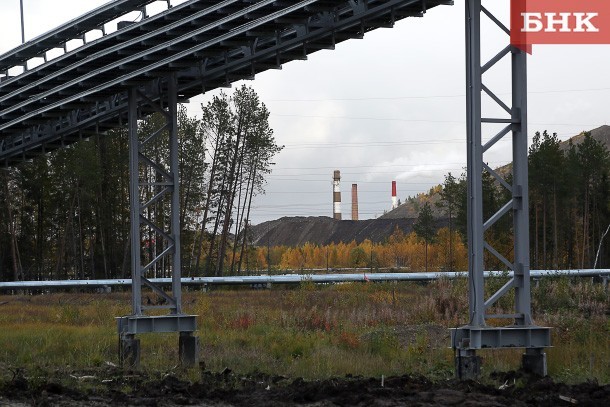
x=150 y=65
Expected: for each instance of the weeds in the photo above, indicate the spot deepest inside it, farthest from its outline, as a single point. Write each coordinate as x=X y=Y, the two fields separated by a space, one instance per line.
x=312 y=331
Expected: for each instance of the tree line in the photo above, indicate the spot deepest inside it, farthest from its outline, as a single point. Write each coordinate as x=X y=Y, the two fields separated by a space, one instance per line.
x=569 y=198
x=569 y=205
x=65 y=215
x=406 y=252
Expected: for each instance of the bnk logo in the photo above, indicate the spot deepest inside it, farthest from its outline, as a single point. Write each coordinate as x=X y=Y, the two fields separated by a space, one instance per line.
x=559 y=22
x=562 y=22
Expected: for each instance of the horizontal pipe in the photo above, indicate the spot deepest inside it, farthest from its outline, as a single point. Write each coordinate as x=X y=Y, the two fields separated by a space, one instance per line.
x=297 y=278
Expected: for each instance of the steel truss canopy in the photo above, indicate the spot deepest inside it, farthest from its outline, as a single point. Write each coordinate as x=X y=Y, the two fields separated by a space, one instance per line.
x=203 y=44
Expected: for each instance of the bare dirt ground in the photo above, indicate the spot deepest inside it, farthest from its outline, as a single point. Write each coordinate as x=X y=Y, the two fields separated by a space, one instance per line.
x=115 y=387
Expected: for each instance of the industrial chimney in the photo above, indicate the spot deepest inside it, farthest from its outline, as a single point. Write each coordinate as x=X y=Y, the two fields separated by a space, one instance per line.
x=336 y=195
x=394 y=199
x=354 y=201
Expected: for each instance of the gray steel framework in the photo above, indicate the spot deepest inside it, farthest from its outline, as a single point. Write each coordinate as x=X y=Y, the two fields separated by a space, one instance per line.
x=154 y=181
x=522 y=332
x=206 y=43
x=74 y=29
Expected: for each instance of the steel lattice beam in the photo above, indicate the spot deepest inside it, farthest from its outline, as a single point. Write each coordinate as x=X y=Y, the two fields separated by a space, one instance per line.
x=74 y=29
x=207 y=44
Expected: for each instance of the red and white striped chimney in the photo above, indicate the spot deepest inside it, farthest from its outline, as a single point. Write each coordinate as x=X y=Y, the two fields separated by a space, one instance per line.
x=354 y=201
x=394 y=198
x=336 y=195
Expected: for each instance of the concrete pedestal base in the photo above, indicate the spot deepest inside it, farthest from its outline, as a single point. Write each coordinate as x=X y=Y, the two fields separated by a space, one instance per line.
x=467 y=365
x=129 y=351
x=534 y=361
x=188 y=349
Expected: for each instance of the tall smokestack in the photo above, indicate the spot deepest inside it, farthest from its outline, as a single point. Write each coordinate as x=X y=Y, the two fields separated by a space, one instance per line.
x=336 y=195
x=394 y=199
x=354 y=201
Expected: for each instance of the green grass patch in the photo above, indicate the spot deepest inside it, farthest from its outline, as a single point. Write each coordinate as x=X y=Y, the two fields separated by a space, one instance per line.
x=312 y=331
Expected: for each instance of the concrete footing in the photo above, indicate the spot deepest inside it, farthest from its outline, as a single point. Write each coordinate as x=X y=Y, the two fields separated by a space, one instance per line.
x=129 y=351
x=467 y=365
x=188 y=349
x=534 y=361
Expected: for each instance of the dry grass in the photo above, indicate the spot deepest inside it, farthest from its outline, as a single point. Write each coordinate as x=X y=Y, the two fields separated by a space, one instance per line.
x=311 y=331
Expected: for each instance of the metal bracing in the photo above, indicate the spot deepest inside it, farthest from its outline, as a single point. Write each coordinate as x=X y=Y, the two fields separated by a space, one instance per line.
x=72 y=30
x=523 y=332
x=154 y=202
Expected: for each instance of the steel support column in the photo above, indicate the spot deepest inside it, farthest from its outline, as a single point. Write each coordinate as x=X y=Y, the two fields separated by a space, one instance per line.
x=522 y=332
x=474 y=163
x=520 y=189
x=154 y=197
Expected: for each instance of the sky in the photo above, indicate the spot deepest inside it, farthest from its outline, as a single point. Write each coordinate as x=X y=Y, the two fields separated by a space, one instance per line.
x=387 y=107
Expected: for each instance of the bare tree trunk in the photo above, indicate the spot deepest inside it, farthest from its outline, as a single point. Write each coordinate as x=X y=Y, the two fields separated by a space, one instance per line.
x=125 y=272
x=571 y=238
x=183 y=208
x=208 y=260
x=536 y=237
x=103 y=244
x=68 y=231
x=81 y=238
x=240 y=210
x=92 y=253
x=100 y=212
x=230 y=199
x=206 y=208
x=60 y=252
x=450 y=242
x=186 y=185
x=426 y=255
x=75 y=262
x=251 y=193
x=17 y=275
x=544 y=256
x=40 y=236
x=555 y=238
x=595 y=230
x=585 y=228
x=17 y=272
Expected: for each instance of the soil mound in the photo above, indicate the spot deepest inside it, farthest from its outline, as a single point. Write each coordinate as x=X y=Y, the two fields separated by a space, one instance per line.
x=323 y=230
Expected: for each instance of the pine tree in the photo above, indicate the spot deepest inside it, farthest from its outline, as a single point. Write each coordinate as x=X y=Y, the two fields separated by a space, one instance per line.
x=424 y=228
x=450 y=201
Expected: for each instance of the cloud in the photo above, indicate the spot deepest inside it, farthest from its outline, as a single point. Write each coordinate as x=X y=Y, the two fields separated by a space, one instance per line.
x=390 y=106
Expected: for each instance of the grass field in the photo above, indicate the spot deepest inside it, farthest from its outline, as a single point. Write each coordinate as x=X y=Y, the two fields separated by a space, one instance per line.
x=310 y=331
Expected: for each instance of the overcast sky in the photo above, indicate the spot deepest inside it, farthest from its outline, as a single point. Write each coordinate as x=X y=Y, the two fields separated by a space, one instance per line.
x=387 y=107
